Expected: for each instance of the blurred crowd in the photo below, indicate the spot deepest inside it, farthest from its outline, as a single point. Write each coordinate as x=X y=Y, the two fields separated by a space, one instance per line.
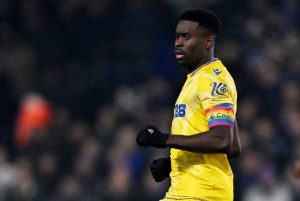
x=80 y=78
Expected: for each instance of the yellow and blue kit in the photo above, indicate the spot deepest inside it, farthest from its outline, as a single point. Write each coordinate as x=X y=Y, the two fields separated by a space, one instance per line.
x=207 y=99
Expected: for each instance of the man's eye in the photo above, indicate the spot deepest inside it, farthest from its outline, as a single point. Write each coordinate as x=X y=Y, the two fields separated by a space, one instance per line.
x=187 y=37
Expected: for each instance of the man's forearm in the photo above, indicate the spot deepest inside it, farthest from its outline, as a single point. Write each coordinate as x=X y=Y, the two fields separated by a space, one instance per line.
x=216 y=140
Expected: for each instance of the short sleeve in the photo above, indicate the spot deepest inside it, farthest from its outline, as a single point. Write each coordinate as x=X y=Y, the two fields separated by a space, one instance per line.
x=218 y=101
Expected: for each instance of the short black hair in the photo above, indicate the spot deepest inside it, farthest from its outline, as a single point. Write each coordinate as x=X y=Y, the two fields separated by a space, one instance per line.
x=205 y=18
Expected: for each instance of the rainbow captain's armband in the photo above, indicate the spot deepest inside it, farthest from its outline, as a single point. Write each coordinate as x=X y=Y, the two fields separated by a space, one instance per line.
x=220 y=115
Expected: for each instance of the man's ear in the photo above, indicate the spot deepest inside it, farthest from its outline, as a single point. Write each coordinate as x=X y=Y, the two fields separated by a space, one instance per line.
x=209 y=42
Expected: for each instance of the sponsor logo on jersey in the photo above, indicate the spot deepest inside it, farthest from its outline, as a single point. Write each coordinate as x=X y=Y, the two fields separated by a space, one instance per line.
x=218 y=88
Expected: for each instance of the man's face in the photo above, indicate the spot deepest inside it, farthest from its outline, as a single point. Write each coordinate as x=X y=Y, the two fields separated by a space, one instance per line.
x=190 y=44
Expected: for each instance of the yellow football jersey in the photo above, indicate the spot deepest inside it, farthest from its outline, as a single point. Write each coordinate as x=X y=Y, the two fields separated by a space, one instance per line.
x=207 y=99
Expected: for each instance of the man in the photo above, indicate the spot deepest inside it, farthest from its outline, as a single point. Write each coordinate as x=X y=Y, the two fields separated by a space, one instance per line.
x=204 y=129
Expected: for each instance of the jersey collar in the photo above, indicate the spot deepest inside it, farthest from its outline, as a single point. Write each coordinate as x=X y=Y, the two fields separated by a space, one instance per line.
x=197 y=69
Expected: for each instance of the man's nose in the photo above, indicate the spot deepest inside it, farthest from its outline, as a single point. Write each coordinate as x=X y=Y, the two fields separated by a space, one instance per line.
x=178 y=42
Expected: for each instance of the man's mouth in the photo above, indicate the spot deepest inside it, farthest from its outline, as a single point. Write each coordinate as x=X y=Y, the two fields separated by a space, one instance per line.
x=179 y=54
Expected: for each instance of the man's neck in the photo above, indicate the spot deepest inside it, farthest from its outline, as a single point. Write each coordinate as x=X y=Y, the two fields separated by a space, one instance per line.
x=200 y=64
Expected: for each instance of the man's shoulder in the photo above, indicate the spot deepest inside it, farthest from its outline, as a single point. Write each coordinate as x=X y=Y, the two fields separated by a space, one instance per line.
x=214 y=68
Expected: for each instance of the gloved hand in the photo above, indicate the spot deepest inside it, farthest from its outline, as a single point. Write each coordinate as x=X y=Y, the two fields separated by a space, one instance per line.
x=151 y=136
x=160 y=169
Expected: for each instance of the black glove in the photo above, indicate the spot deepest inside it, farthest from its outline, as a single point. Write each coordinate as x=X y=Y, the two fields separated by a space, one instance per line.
x=151 y=136
x=160 y=169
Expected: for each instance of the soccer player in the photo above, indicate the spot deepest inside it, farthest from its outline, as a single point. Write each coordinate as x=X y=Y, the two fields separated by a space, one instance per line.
x=204 y=129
